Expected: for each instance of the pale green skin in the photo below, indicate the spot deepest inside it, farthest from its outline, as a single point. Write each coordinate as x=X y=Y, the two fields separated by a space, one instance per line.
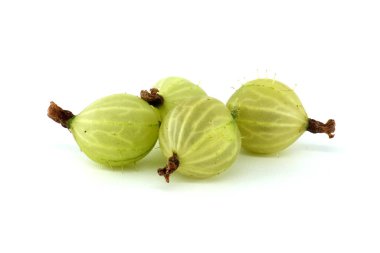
x=204 y=136
x=117 y=130
x=175 y=90
x=269 y=114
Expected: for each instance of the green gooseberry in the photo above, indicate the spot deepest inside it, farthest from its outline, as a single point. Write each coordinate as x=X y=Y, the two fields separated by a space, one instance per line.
x=199 y=138
x=169 y=92
x=271 y=117
x=115 y=131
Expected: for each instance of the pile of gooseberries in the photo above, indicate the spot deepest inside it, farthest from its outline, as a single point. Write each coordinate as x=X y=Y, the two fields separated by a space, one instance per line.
x=198 y=135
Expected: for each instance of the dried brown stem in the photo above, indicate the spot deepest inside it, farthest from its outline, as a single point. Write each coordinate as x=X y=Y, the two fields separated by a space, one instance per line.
x=171 y=166
x=315 y=126
x=152 y=97
x=59 y=115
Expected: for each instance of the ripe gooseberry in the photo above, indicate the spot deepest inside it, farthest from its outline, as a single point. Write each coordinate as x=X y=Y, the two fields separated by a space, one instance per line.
x=168 y=92
x=115 y=131
x=271 y=117
x=199 y=138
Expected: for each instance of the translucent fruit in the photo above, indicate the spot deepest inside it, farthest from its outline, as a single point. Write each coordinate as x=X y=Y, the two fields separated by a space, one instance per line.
x=115 y=131
x=199 y=138
x=271 y=117
x=169 y=92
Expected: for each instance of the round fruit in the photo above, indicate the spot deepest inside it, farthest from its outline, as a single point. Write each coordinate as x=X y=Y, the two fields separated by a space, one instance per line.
x=271 y=117
x=170 y=92
x=115 y=131
x=199 y=138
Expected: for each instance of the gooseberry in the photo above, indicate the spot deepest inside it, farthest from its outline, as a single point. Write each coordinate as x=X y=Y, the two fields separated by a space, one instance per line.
x=199 y=138
x=271 y=117
x=168 y=92
x=115 y=131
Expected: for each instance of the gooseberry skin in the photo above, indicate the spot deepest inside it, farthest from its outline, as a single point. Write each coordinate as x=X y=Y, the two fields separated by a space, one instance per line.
x=203 y=135
x=174 y=91
x=116 y=130
x=269 y=114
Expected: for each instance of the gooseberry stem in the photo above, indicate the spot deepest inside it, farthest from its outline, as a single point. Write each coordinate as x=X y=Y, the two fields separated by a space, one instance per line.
x=328 y=128
x=152 y=97
x=170 y=167
x=59 y=115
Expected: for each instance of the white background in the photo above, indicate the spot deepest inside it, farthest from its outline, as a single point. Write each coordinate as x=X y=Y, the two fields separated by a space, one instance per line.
x=319 y=195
